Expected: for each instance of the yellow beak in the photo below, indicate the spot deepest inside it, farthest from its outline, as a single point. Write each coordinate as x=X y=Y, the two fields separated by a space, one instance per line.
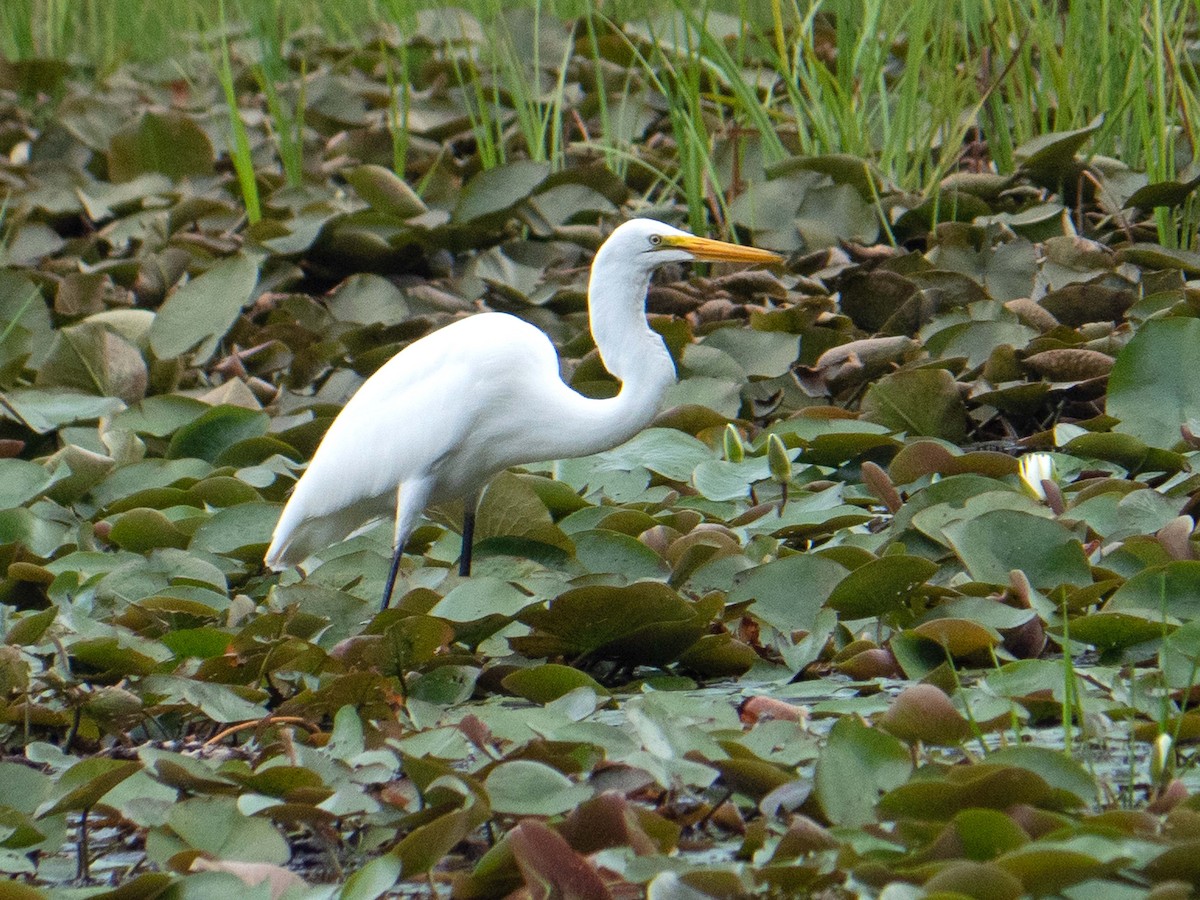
x=708 y=250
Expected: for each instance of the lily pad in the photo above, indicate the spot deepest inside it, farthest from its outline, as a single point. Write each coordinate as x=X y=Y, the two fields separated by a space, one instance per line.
x=995 y=543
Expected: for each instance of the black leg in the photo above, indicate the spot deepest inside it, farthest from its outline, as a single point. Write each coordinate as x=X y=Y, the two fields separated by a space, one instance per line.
x=468 y=535
x=391 y=579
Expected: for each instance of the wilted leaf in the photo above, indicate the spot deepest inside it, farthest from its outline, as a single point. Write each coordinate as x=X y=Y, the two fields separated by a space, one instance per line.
x=169 y=142
x=551 y=868
x=922 y=713
x=89 y=357
x=277 y=878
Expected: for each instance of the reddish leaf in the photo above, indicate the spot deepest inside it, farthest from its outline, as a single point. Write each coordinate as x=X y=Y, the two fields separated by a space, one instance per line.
x=551 y=868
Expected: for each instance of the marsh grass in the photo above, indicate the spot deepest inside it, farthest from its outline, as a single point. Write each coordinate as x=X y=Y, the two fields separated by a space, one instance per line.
x=903 y=84
x=285 y=119
x=243 y=163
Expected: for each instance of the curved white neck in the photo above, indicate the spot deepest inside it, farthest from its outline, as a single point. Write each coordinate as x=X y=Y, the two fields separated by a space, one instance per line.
x=634 y=354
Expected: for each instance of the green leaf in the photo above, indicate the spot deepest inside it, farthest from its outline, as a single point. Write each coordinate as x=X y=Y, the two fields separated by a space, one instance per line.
x=241 y=531
x=29 y=628
x=1155 y=385
x=413 y=641
x=986 y=833
x=90 y=358
x=427 y=845
x=1056 y=767
x=197 y=315
x=372 y=880
x=1171 y=590
x=880 y=586
x=1179 y=657
x=546 y=683
x=670 y=453
x=993 y=544
x=217 y=827
x=21 y=481
x=1046 y=868
x=44 y=411
x=922 y=402
x=160 y=415
x=646 y=623
x=720 y=479
x=218 y=429
x=601 y=551
x=82 y=785
x=512 y=508
x=1049 y=157
x=480 y=597
x=368 y=299
x=788 y=593
x=141 y=530
x=528 y=788
x=864 y=757
x=16 y=890
x=385 y=191
x=216 y=701
x=26 y=330
x=497 y=190
x=767 y=354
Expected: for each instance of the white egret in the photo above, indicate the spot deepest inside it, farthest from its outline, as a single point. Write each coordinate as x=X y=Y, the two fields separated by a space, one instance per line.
x=454 y=408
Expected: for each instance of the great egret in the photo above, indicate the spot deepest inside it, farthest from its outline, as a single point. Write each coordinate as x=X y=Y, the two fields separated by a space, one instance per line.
x=452 y=409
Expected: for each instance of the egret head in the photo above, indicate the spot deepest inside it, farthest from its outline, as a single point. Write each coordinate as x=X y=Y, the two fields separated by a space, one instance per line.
x=646 y=244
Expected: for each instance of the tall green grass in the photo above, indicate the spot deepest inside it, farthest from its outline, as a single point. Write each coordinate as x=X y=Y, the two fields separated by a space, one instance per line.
x=902 y=83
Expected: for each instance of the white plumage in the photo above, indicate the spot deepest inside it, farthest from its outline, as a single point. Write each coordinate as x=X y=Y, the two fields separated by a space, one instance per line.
x=452 y=409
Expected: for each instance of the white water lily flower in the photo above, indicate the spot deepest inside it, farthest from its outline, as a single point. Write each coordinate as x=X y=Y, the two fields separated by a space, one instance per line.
x=1162 y=757
x=1036 y=468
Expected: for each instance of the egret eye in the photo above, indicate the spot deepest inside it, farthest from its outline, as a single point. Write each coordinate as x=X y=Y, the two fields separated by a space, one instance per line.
x=655 y=240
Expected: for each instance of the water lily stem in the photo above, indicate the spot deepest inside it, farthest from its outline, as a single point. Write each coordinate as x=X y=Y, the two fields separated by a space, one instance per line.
x=82 y=863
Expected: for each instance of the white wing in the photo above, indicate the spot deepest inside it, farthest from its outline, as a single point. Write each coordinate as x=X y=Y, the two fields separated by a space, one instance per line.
x=442 y=410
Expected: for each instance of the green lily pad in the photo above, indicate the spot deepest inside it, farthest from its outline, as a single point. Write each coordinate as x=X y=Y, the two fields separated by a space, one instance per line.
x=647 y=623
x=993 y=544
x=880 y=586
x=242 y=531
x=788 y=593
x=497 y=190
x=922 y=402
x=870 y=759
x=197 y=315
x=548 y=682
x=526 y=787
x=1154 y=386
x=216 y=430
x=383 y=190
x=1170 y=590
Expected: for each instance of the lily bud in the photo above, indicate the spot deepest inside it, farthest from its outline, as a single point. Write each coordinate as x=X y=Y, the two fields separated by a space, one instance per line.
x=778 y=460
x=734 y=451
